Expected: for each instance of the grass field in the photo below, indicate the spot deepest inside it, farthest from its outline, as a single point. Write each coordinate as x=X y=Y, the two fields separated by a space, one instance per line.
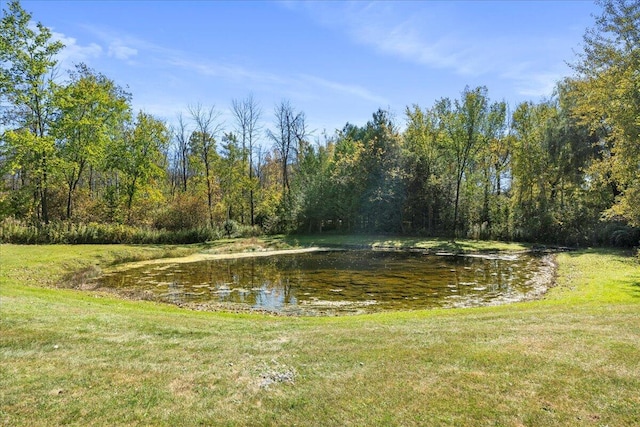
x=69 y=357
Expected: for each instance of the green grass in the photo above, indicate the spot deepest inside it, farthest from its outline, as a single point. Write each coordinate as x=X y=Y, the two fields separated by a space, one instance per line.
x=79 y=358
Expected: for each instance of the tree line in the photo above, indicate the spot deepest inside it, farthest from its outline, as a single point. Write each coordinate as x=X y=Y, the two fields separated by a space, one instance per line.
x=564 y=170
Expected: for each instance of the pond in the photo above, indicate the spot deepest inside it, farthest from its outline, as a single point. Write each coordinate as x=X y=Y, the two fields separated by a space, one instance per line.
x=339 y=282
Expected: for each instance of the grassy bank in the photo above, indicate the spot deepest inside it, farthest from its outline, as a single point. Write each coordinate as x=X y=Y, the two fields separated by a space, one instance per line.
x=79 y=358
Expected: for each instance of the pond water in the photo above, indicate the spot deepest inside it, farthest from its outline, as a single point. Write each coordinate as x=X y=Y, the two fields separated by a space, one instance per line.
x=339 y=282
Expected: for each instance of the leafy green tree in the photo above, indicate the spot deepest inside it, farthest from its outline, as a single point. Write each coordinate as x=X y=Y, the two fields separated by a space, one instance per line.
x=493 y=154
x=314 y=187
x=608 y=99
x=139 y=156
x=576 y=202
x=530 y=171
x=383 y=195
x=346 y=183
x=27 y=55
x=553 y=195
x=33 y=159
x=91 y=111
x=463 y=125
x=424 y=170
x=269 y=198
x=233 y=181
x=499 y=155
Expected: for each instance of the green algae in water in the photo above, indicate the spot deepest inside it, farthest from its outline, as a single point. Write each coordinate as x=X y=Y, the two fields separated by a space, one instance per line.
x=341 y=282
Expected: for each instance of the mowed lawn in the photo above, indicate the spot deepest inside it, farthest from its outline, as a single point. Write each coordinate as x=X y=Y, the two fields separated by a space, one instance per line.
x=70 y=357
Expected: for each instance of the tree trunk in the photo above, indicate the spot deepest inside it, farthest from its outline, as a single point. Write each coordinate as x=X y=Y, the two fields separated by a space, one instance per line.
x=455 y=211
x=69 y=194
x=45 y=193
x=131 y=192
x=209 y=198
x=252 y=209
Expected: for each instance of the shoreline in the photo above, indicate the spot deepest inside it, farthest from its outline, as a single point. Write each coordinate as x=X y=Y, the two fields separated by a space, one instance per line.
x=204 y=257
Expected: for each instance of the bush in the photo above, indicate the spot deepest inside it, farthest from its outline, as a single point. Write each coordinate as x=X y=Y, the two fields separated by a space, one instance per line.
x=619 y=235
x=625 y=238
x=184 y=212
x=230 y=228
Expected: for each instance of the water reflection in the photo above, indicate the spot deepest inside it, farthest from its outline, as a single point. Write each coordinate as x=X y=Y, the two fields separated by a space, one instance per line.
x=339 y=281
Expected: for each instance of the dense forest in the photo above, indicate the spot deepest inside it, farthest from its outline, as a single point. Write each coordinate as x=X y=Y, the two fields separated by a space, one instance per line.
x=78 y=165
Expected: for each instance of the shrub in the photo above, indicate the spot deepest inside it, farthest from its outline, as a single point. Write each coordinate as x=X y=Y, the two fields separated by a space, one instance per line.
x=184 y=212
x=619 y=235
x=230 y=228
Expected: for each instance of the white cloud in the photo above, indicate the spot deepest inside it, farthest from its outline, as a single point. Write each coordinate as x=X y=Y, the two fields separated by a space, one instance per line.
x=531 y=81
x=353 y=90
x=122 y=46
x=119 y=51
x=438 y=48
x=538 y=84
x=73 y=52
x=211 y=69
x=301 y=86
x=406 y=42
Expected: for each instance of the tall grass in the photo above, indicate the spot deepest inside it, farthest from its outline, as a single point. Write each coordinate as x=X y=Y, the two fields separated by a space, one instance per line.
x=17 y=232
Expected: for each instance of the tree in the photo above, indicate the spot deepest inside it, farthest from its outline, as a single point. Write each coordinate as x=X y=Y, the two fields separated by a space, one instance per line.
x=496 y=161
x=27 y=55
x=181 y=138
x=424 y=169
x=231 y=173
x=492 y=158
x=346 y=184
x=203 y=147
x=608 y=99
x=383 y=197
x=288 y=137
x=313 y=183
x=91 y=110
x=247 y=114
x=531 y=169
x=139 y=156
x=269 y=198
x=289 y=142
x=462 y=124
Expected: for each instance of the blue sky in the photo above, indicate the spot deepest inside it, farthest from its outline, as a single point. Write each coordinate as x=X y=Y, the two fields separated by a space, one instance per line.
x=336 y=61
